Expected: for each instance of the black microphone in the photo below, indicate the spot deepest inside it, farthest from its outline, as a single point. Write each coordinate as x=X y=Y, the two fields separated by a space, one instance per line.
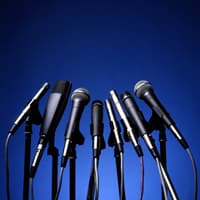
x=80 y=98
x=138 y=118
x=96 y=127
x=144 y=90
x=55 y=107
x=98 y=143
x=20 y=119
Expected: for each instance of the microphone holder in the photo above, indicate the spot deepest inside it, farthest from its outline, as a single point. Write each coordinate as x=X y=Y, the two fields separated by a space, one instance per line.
x=155 y=123
x=34 y=117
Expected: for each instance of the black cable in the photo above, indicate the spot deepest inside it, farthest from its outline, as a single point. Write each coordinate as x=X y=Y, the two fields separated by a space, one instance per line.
x=7 y=167
x=162 y=179
x=142 y=178
x=91 y=182
x=60 y=183
x=122 y=176
x=195 y=173
x=96 y=178
x=31 y=188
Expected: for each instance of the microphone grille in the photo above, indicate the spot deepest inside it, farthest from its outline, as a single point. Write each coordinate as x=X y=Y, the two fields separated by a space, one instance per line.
x=81 y=93
x=141 y=87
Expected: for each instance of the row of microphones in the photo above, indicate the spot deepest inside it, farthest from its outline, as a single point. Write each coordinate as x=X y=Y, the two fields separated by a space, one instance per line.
x=130 y=132
x=131 y=119
x=134 y=118
x=144 y=90
x=53 y=112
x=57 y=102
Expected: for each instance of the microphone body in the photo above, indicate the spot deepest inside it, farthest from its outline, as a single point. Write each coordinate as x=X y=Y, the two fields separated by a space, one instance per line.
x=53 y=112
x=20 y=119
x=144 y=90
x=80 y=98
x=138 y=118
x=97 y=127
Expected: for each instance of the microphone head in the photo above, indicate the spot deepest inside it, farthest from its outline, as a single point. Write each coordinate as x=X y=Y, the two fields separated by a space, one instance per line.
x=141 y=87
x=125 y=95
x=97 y=118
x=61 y=86
x=81 y=94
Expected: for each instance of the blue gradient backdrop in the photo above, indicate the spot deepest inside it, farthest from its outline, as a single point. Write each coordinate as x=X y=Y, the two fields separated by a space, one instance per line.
x=101 y=45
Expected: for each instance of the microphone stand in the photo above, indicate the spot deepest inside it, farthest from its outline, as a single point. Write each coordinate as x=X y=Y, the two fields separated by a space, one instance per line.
x=53 y=151
x=155 y=123
x=119 y=175
x=77 y=138
x=117 y=150
x=72 y=174
x=34 y=117
x=162 y=140
x=91 y=187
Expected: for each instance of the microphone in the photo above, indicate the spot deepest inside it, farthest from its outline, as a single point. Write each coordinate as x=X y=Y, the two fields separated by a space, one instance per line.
x=138 y=118
x=144 y=90
x=53 y=112
x=96 y=130
x=20 y=119
x=80 y=98
x=96 y=127
x=115 y=137
x=125 y=121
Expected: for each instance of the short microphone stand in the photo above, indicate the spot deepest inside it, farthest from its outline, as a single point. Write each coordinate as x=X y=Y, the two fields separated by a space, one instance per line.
x=155 y=123
x=34 y=117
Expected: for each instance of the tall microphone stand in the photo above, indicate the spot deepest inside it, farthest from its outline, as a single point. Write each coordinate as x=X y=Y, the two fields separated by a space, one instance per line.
x=92 y=184
x=118 y=150
x=53 y=152
x=34 y=117
x=72 y=173
x=155 y=123
x=76 y=139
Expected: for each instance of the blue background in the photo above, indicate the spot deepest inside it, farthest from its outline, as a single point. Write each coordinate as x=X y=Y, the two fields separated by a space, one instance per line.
x=101 y=45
